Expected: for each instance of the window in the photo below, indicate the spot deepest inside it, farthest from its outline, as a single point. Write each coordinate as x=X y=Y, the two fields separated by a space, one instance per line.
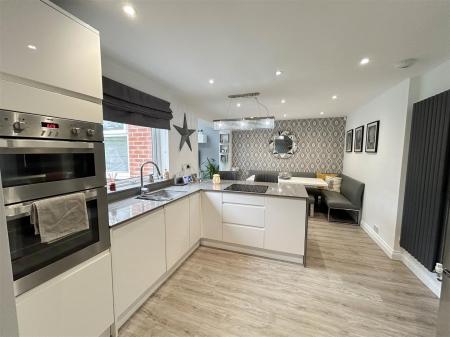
x=128 y=146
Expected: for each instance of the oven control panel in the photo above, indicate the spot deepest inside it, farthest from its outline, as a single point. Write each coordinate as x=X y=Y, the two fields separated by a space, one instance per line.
x=26 y=125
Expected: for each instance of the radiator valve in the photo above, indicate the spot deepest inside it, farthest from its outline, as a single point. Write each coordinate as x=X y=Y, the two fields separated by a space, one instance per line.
x=439 y=269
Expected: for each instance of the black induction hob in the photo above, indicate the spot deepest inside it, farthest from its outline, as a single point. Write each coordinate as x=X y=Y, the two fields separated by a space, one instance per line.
x=247 y=188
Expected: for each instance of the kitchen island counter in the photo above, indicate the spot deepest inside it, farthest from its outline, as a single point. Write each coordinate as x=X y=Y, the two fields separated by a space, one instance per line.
x=129 y=208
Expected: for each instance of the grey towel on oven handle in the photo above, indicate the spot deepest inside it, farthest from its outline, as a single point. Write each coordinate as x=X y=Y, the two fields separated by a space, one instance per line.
x=57 y=217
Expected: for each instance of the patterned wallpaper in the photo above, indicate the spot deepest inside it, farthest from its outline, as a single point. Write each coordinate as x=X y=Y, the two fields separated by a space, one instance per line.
x=320 y=147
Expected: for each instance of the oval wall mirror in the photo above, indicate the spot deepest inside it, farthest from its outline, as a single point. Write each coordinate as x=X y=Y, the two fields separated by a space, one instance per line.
x=283 y=145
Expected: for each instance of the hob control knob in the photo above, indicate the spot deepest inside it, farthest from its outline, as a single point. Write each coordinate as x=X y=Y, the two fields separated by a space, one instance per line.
x=76 y=131
x=90 y=132
x=19 y=126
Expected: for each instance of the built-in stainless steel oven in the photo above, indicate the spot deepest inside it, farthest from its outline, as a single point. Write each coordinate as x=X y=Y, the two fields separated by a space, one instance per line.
x=43 y=157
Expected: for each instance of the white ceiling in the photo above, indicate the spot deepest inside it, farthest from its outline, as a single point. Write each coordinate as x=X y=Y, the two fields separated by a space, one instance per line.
x=317 y=44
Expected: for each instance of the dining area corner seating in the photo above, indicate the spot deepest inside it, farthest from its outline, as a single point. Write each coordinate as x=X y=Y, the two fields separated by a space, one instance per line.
x=350 y=198
x=309 y=179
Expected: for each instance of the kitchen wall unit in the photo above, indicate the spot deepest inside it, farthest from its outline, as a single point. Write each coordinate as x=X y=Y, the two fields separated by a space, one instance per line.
x=50 y=62
x=78 y=302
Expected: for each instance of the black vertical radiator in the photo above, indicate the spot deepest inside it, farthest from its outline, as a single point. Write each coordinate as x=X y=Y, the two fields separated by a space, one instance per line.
x=427 y=178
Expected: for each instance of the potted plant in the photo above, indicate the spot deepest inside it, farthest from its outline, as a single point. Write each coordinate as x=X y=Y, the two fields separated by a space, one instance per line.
x=211 y=168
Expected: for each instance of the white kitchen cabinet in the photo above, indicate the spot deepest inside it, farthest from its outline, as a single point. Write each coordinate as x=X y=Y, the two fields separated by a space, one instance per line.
x=212 y=215
x=285 y=225
x=247 y=215
x=195 y=226
x=243 y=235
x=41 y=44
x=78 y=302
x=177 y=231
x=243 y=199
x=138 y=258
x=51 y=59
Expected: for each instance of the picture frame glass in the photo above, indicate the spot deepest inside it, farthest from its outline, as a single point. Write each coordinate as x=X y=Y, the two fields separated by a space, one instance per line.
x=372 y=136
x=359 y=137
x=349 y=141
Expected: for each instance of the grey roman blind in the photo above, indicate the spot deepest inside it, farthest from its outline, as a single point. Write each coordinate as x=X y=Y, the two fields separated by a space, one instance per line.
x=124 y=104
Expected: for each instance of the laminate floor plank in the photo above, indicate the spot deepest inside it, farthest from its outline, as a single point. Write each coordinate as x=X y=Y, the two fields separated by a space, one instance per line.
x=349 y=289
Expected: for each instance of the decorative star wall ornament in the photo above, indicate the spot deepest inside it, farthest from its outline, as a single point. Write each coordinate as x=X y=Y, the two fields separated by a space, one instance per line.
x=185 y=133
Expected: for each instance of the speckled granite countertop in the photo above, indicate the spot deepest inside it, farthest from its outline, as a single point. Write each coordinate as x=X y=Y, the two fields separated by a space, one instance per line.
x=126 y=209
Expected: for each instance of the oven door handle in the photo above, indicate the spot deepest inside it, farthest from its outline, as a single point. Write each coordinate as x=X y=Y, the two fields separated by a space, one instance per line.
x=23 y=209
x=46 y=144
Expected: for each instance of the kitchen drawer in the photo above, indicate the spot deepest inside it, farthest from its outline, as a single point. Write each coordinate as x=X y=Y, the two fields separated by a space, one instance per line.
x=243 y=235
x=247 y=215
x=244 y=199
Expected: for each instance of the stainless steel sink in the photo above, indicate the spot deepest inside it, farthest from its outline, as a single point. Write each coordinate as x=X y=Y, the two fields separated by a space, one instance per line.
x=161 y=195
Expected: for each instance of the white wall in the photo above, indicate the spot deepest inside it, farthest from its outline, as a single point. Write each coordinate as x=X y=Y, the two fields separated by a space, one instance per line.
x=121 y=73
x=384 y=173
x=381 y=171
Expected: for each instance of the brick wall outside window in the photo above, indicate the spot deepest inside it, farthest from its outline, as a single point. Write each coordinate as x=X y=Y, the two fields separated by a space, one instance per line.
x=139 y=149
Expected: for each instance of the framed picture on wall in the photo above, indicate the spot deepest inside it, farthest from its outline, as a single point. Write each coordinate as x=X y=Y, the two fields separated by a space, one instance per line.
x=372 y=137
x=359 y=137
x=349 y=141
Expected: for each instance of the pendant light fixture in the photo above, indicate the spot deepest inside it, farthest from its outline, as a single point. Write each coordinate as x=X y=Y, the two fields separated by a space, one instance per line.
x=246 y=123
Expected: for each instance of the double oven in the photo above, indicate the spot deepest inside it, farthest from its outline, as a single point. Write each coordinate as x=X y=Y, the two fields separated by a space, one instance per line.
x=43 y=157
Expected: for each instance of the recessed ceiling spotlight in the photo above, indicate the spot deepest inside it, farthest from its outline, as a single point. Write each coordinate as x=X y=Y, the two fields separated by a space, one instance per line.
x=364 y=61
x=129 y=10
x=278 y=73
x=238 y=105
x=283 y=101
x=322 y=112
x=32 y=47
x=285 y=115
x=211 y=81
x=334 y=97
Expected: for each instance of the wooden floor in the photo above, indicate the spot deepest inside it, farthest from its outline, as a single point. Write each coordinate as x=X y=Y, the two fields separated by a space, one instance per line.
x=350 y=288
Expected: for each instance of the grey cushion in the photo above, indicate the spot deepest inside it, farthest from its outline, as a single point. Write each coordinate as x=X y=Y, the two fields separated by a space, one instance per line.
x=229 y=175
x=255 y=172
x=337 y=200
x=353 y=190
x=266 y=177
x=304 y=174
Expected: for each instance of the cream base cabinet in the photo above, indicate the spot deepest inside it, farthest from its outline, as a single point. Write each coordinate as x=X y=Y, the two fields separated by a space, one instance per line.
x=78 y=302
x=138 y=258
x=285 y=225
x=212 y=215
x=195 y=226
x=177 y=231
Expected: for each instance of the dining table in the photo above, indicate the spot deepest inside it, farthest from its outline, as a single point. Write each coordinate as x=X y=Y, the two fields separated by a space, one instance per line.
x=306 y=181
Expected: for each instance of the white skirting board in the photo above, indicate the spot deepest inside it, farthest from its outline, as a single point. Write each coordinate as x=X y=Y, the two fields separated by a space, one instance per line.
x=424 y=275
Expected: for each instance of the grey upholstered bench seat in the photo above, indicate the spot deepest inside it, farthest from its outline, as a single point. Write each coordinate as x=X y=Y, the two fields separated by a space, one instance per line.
x=350 y=198
x=337 y=200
